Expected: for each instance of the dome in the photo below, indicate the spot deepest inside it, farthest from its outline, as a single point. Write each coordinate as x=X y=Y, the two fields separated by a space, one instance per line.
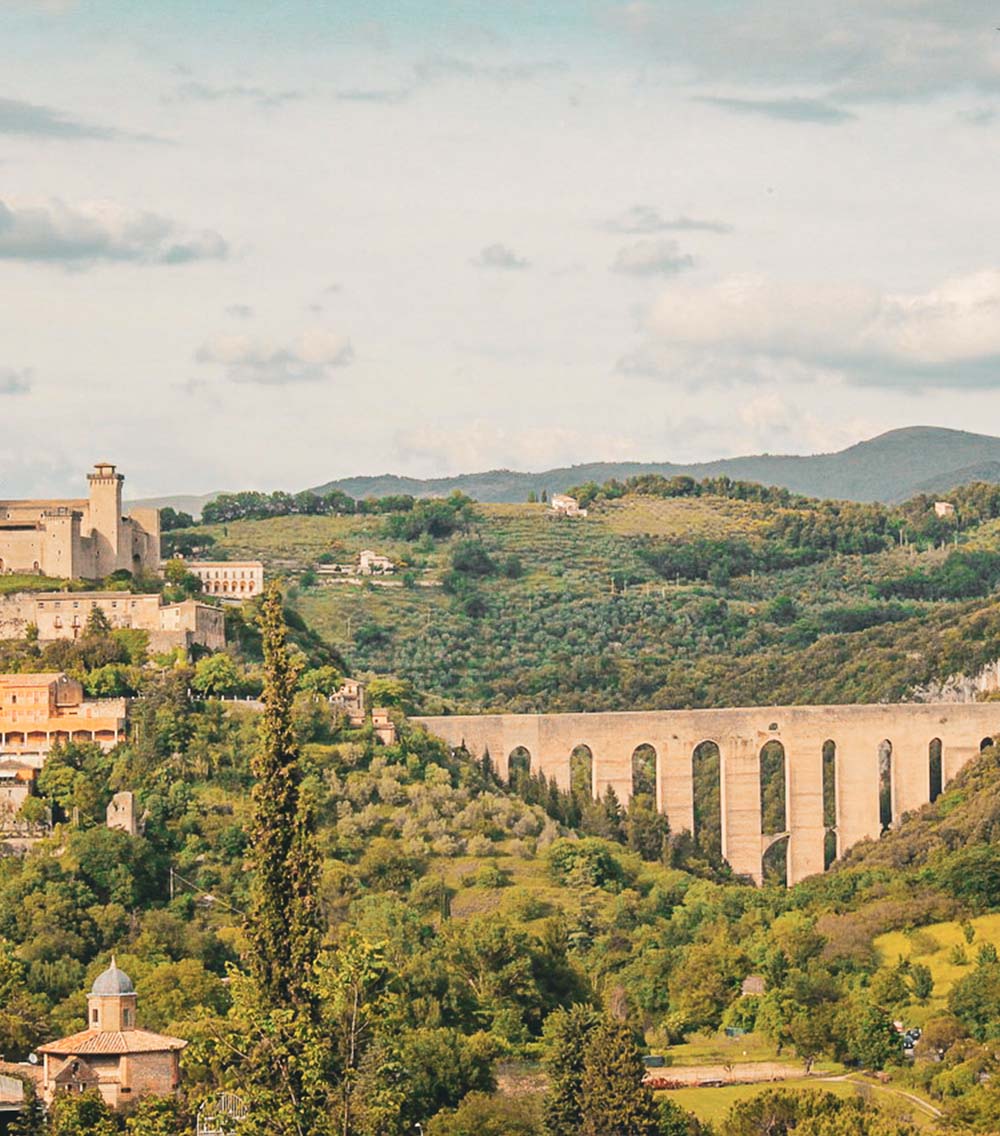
x=112 y=981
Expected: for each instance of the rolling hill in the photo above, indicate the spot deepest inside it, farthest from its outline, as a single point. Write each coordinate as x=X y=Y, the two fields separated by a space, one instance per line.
x=889 y=468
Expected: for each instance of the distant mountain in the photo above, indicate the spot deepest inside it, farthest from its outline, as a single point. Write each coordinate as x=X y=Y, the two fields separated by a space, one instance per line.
x=891 y=467
x=945 y=482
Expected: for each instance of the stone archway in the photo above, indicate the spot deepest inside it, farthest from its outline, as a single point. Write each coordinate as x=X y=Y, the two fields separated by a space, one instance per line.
x=706 y=771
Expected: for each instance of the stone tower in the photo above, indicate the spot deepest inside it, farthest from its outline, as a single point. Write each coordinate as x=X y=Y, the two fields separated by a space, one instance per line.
x=111 y=1002
x=106 y=516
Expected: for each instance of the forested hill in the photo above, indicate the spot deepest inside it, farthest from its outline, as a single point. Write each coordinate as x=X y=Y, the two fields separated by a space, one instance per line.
x=891 y=467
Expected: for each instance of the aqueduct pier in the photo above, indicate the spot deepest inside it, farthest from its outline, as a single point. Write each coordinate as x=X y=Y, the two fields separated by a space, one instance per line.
x=882 y=760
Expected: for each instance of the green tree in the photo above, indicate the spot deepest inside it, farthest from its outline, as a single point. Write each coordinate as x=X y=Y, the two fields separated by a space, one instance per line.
x=565 y=1037
x=613 y=1099
x=282 y=926
x=216 y=675
x=921 y=981
x=481 y=1114
x=869 y=1035
x=156 y=1116
x=83 y=1114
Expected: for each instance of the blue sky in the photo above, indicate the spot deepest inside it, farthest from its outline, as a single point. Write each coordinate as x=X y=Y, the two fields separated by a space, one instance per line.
x=269 y=244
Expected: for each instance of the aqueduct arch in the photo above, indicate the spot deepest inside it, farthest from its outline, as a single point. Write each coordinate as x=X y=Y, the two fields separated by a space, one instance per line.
x=831 y=764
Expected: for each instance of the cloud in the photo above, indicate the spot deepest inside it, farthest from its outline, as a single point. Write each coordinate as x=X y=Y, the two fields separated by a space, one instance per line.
x=386 y=96
x=785 y=110
x=85 y=234
x=645 y=219
x=451 y=67
x=859 y=50
x=654 y=257
x=500 y=256
x=750 y=327
x=13 y=381
x=17 y=117
x=205 y=92
x=240 y=311
x=249 y=360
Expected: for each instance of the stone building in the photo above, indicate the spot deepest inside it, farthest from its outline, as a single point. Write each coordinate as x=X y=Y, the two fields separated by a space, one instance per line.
x=122 y=1062
x=120 y=813
x=229 y=579
x=16 y=781
x=565 y=506
x=350 y=699
x=39 y=710
x=63 y=615
x=371 y=563
x=80 y=539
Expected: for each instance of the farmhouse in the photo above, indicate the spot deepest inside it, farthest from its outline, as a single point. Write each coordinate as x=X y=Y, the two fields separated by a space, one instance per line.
x=80 y=539
x=565 y=506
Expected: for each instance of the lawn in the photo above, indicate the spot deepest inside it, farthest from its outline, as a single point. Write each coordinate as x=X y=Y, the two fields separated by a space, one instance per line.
x=932 y=946
x=713 y=1104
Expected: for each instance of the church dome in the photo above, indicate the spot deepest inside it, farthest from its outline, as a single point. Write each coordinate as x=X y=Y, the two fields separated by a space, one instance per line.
x=112 y=981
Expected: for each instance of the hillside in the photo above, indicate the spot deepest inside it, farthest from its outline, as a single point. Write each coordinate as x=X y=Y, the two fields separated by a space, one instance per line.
x=647 y=603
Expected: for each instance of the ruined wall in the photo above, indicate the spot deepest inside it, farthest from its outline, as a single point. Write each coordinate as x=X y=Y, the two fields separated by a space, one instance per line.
x=857 y=732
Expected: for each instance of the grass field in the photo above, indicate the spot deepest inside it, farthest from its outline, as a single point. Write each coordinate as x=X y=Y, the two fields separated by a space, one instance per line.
x=932 y=946
x=18 y=583
x=713 y=1104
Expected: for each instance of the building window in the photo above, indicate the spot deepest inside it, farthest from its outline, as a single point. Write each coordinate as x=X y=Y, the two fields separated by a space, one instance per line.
x=93 y=1016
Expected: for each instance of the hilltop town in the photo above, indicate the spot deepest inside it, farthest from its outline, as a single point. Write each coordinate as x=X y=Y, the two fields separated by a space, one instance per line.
x=563 y=845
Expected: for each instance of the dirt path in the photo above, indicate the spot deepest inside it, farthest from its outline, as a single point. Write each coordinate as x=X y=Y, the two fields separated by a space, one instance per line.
x=740 y=1072
x=930 y=1109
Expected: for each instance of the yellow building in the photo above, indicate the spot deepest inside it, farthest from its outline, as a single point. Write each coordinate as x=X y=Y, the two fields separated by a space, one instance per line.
x=39 y=710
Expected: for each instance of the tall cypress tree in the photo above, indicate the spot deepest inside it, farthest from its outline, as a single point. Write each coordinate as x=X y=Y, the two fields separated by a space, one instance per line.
x=566 y=1033
x=613 y=1099
x=282 y=924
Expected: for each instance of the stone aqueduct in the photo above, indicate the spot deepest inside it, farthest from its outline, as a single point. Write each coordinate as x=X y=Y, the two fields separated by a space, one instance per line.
x=918 y=737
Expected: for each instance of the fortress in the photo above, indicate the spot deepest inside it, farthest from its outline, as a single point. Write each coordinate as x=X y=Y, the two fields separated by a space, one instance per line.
x=80 y=539
x=847 y=772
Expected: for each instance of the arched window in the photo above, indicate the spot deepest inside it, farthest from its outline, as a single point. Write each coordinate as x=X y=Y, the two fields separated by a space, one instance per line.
x=644 y=773
x=518 y=766
x=581 y=772
x=935 y=778
x=829 y=802
x=706 y=770
x=885 y=784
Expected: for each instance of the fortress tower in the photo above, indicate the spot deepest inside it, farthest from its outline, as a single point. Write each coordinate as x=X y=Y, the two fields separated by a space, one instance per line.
x=106 y=516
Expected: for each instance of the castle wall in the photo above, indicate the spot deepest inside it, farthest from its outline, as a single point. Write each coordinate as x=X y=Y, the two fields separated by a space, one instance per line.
x=740 y=734
x=76 y=539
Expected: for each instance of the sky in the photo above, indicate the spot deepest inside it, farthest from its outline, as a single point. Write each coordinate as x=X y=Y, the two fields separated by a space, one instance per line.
x=267 y=244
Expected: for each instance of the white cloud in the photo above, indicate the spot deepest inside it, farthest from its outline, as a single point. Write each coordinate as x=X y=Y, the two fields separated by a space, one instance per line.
x=500 y=256
x=250 y=360
x=99 y=231
x=13 y=381
x=948 y=336
x=645 y=219
x=656 y=257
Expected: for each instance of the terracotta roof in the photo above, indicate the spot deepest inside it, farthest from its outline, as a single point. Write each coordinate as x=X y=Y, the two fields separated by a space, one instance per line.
x=22 y=1069
x=111 y=1041
x=31 y=679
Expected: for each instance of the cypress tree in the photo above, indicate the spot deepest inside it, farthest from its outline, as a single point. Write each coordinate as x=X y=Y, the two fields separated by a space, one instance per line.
x=613 y=1099
x=282 y=924
x=566 y=1033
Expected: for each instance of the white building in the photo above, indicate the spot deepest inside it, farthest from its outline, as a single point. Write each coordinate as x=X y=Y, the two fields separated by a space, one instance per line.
x=229 y=579
x=566 y=506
